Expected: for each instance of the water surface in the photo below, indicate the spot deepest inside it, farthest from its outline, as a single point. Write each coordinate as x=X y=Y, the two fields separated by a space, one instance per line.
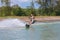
x=38 y=31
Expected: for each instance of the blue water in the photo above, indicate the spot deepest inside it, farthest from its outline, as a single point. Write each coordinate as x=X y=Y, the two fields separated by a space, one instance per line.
x=42 y=31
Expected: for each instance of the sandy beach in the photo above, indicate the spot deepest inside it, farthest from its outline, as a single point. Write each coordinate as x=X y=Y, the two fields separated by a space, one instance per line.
x=43 y=19
x=37 y=18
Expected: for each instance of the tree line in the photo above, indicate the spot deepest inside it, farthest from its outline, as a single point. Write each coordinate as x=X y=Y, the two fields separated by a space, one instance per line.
x=46 y=8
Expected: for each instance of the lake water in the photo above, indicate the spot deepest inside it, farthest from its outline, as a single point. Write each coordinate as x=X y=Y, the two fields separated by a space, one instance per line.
x=38 y=31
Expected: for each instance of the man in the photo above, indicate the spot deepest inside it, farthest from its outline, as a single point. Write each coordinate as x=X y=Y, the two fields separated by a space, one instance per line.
x=32 y=19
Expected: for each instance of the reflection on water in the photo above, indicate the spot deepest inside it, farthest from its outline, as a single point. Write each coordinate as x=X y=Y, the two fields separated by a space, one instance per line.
x=35 y=32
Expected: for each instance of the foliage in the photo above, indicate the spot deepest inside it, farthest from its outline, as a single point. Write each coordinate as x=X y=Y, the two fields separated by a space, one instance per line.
x=47 y=8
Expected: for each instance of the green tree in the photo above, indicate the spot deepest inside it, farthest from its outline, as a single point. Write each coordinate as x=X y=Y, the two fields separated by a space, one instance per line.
x=57 y=8
x=7 y=9
x=18 y=11
x=32 y=8
x=46 y=7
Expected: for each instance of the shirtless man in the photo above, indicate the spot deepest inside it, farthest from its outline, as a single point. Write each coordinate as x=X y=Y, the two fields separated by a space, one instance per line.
x=32 y=19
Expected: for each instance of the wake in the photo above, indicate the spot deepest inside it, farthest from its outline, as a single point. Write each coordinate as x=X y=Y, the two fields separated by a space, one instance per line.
x=12 y=23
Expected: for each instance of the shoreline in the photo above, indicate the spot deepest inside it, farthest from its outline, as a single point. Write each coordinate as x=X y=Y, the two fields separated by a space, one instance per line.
x=43 y=19
x=37 y=18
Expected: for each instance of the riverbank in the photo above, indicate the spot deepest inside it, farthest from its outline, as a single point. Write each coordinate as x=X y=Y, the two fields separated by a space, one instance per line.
x=37 y=18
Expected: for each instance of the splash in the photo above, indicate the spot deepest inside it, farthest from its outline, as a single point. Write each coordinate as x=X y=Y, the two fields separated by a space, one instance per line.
x=19 y=23
x=12 y=23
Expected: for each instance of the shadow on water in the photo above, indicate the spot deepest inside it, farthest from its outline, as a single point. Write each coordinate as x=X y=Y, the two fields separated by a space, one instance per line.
x=27 y=26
